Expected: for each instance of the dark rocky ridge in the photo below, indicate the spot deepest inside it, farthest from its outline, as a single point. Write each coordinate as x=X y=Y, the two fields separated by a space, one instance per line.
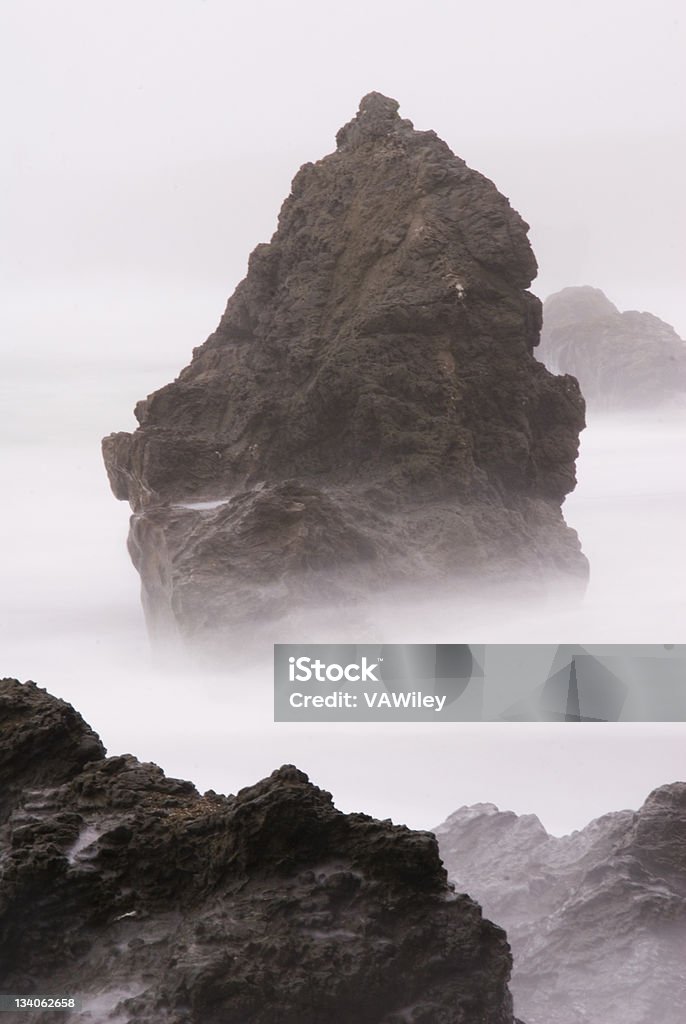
x=628 y=360
x=596 y=919
x=369 y=410
x=160 y=906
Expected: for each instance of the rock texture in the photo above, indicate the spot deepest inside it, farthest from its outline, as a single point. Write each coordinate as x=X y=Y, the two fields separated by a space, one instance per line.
x=596 y=919
x=620 y=359
x=369 y=410
x=156 y=905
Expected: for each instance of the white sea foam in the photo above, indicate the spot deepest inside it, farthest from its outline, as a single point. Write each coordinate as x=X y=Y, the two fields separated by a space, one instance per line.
x=202 y=506
x=86 y=838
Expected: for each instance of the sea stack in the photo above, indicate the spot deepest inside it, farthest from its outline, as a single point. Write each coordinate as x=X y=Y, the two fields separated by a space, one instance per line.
x=369 y=412
x=153 y=904
x=625 y=360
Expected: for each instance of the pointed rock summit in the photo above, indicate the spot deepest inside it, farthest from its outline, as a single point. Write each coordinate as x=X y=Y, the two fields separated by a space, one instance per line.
x=368 y=412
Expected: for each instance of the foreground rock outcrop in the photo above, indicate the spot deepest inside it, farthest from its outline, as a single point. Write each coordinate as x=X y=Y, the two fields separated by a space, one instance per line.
x=369 y=410
x=596 y=919
x=156 y=905
x=621 y=360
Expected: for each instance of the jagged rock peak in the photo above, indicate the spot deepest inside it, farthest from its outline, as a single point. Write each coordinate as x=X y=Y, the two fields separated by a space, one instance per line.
x=377 y=116
x=659 y=834
x=44 y=741
x=673 y=795
x=470 y=811
x=565 y=306
x=172 y=907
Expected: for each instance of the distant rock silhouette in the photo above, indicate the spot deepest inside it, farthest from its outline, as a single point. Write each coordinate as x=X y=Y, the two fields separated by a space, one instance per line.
x=155 y=905
x=620 y=359
x=369 y=411
x=596 y=919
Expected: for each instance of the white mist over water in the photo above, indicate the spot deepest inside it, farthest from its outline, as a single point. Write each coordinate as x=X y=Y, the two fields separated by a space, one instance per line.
x=70 y=616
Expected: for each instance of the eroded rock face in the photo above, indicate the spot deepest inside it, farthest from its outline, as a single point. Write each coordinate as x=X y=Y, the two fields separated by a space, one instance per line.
x=622 y=360
x=596 y=919
x=369 y=410
x=157 y=905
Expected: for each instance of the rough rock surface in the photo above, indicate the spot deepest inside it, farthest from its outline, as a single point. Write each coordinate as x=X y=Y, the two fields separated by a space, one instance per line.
x=369 y=410
x=596 y=919
x=156 y=905
x=629 y=360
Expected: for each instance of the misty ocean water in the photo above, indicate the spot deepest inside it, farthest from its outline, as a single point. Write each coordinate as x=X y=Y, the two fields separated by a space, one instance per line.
x=70 y=614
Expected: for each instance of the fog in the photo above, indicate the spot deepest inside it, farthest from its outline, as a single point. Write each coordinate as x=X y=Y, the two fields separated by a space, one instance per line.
x=71 y=616
x=148 y=148
x=156 y=140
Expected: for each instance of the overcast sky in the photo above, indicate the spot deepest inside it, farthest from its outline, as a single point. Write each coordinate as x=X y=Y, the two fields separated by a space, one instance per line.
x=155 y=140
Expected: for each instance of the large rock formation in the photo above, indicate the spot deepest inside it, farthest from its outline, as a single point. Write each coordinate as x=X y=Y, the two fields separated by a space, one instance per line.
x=627 y=359
x=369 y=410
x=155 y=905
x=596 y=919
